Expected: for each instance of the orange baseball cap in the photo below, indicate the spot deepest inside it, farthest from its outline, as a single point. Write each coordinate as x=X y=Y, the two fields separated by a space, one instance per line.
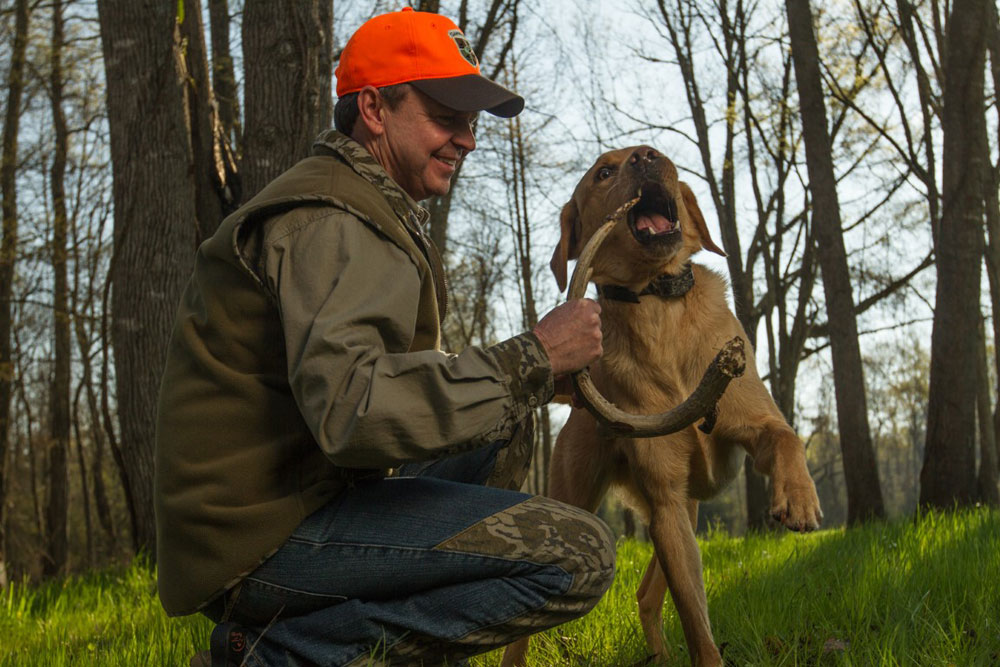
x=428 y=51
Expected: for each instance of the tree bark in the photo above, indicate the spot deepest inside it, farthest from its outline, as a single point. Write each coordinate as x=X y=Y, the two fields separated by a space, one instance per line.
x=224 y=74
x=864 y=493
x=288 y=64
x=83 y=310
x=212 y=200
x=992 y=202
x=909 y=22
x=948 y=475
x=56 y=554
x=8 y=251
x=81 y=459
x=986 y=489
x=155 y=222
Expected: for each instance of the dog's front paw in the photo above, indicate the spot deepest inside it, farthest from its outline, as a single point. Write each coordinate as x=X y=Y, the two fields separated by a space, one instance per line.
x=795 y=504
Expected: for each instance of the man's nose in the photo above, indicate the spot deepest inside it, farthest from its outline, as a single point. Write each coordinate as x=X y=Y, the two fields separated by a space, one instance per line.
x=465 y=139
x=642 y=157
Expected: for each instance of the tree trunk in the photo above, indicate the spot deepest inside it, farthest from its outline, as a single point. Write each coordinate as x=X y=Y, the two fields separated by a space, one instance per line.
x=83 y=311
x=28 y=419
x=81 y=460
x=948 y=475
x=224 y=74
x=992 y=202
x=56 y=553
x=864 y=494
x=628 y=523
x=912 y=38
x=155 y=222
x=986 y=489
x=288 y=66
x=207 y=160
x=8 y=252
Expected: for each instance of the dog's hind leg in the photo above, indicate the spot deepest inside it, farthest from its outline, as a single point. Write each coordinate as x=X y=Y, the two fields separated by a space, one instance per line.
x=670 y=527
x=650 y=596
x=516 y=654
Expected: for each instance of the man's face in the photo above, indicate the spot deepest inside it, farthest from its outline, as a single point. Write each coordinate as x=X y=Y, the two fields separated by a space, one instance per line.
x=423 y=143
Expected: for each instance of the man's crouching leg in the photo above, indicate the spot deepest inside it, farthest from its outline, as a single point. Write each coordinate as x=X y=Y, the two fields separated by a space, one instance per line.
x=576 y=546
x=565 y=563
x=422 y=571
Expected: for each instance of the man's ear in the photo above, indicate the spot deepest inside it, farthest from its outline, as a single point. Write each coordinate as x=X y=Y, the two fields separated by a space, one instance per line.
x=569 y=242
x=370 y=111
x=694 y=213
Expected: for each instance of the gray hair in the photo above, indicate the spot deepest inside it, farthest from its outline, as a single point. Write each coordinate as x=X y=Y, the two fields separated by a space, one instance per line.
x=345 y=112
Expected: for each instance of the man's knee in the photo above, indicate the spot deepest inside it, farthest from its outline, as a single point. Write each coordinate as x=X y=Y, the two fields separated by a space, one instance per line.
x=549 y=533
x=584 y=547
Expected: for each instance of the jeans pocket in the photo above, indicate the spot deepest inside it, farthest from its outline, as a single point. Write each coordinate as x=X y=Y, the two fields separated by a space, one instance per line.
x=261 y=602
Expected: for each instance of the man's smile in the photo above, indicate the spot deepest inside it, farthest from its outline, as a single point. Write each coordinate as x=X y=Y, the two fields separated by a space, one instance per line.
x=452 y=162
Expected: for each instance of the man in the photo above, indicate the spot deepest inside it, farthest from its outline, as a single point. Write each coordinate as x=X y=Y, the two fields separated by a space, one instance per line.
x=304 y=367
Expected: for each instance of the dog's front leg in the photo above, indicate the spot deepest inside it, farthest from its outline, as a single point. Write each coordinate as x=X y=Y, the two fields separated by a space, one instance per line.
x=779 y=453
x=651 y=593
x=677 y=550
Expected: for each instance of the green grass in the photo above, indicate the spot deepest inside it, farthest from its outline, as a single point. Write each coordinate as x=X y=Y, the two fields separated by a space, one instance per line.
x=923 y=591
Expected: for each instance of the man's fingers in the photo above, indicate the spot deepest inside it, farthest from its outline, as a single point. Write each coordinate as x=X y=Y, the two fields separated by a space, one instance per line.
x=571 y=335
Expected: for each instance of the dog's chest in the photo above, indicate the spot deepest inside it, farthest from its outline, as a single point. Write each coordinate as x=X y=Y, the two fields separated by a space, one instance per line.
x=647 y=355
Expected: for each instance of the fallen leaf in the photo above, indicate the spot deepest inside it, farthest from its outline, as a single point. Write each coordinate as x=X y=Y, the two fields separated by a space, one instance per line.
x=831 y=645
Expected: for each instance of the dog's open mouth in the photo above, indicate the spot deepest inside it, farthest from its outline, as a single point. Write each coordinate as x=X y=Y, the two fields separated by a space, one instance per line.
x=654 y=218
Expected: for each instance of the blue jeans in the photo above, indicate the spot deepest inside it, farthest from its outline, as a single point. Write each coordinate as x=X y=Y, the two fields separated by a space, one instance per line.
x=422 y=569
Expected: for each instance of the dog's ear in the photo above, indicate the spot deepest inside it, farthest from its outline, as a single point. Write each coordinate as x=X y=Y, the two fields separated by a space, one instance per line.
x=691 y=204
x=569 y=242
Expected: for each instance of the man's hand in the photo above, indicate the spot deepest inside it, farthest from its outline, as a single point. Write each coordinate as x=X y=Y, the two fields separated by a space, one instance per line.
x=571 y=335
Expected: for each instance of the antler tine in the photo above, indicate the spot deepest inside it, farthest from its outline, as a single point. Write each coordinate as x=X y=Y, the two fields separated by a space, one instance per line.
x=582 y=272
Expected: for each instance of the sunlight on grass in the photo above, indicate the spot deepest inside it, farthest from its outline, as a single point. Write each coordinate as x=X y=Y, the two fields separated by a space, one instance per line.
x=918 y=591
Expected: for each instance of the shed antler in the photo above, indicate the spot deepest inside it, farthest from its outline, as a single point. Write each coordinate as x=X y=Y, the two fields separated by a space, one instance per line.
x=729 y=363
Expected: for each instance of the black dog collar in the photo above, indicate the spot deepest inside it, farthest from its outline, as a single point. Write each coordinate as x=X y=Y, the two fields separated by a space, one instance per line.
x=664 y=286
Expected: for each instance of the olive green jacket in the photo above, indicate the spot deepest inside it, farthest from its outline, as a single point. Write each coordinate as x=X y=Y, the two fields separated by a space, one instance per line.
x=305 y=354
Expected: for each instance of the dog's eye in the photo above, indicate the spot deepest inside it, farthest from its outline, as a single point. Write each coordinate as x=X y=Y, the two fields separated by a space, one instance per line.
x=604 y=172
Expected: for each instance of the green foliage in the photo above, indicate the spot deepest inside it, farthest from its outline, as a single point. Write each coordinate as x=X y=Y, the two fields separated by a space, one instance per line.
x=917 y=591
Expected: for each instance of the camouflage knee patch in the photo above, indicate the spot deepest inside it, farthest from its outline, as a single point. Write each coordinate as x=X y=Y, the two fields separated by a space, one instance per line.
x=539 y=530
x=547 y=532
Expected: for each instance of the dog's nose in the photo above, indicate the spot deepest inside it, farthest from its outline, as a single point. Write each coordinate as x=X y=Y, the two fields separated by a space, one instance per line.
x=642 y=157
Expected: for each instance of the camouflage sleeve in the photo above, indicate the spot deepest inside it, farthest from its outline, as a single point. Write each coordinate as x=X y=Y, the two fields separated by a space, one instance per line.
x=526 y=370
x=348 y=305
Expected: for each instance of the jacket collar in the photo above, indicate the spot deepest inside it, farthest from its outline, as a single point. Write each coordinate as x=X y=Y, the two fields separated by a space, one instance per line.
x=363 y=164
x=664 y=286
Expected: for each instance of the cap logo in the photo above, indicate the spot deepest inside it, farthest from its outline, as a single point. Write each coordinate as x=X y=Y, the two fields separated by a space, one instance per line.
x=464 y=48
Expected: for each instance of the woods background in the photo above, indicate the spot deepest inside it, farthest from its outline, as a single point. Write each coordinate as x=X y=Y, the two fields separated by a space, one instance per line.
x=849 y=153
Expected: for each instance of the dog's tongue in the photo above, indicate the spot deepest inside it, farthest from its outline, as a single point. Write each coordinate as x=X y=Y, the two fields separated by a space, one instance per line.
x=654 y=222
